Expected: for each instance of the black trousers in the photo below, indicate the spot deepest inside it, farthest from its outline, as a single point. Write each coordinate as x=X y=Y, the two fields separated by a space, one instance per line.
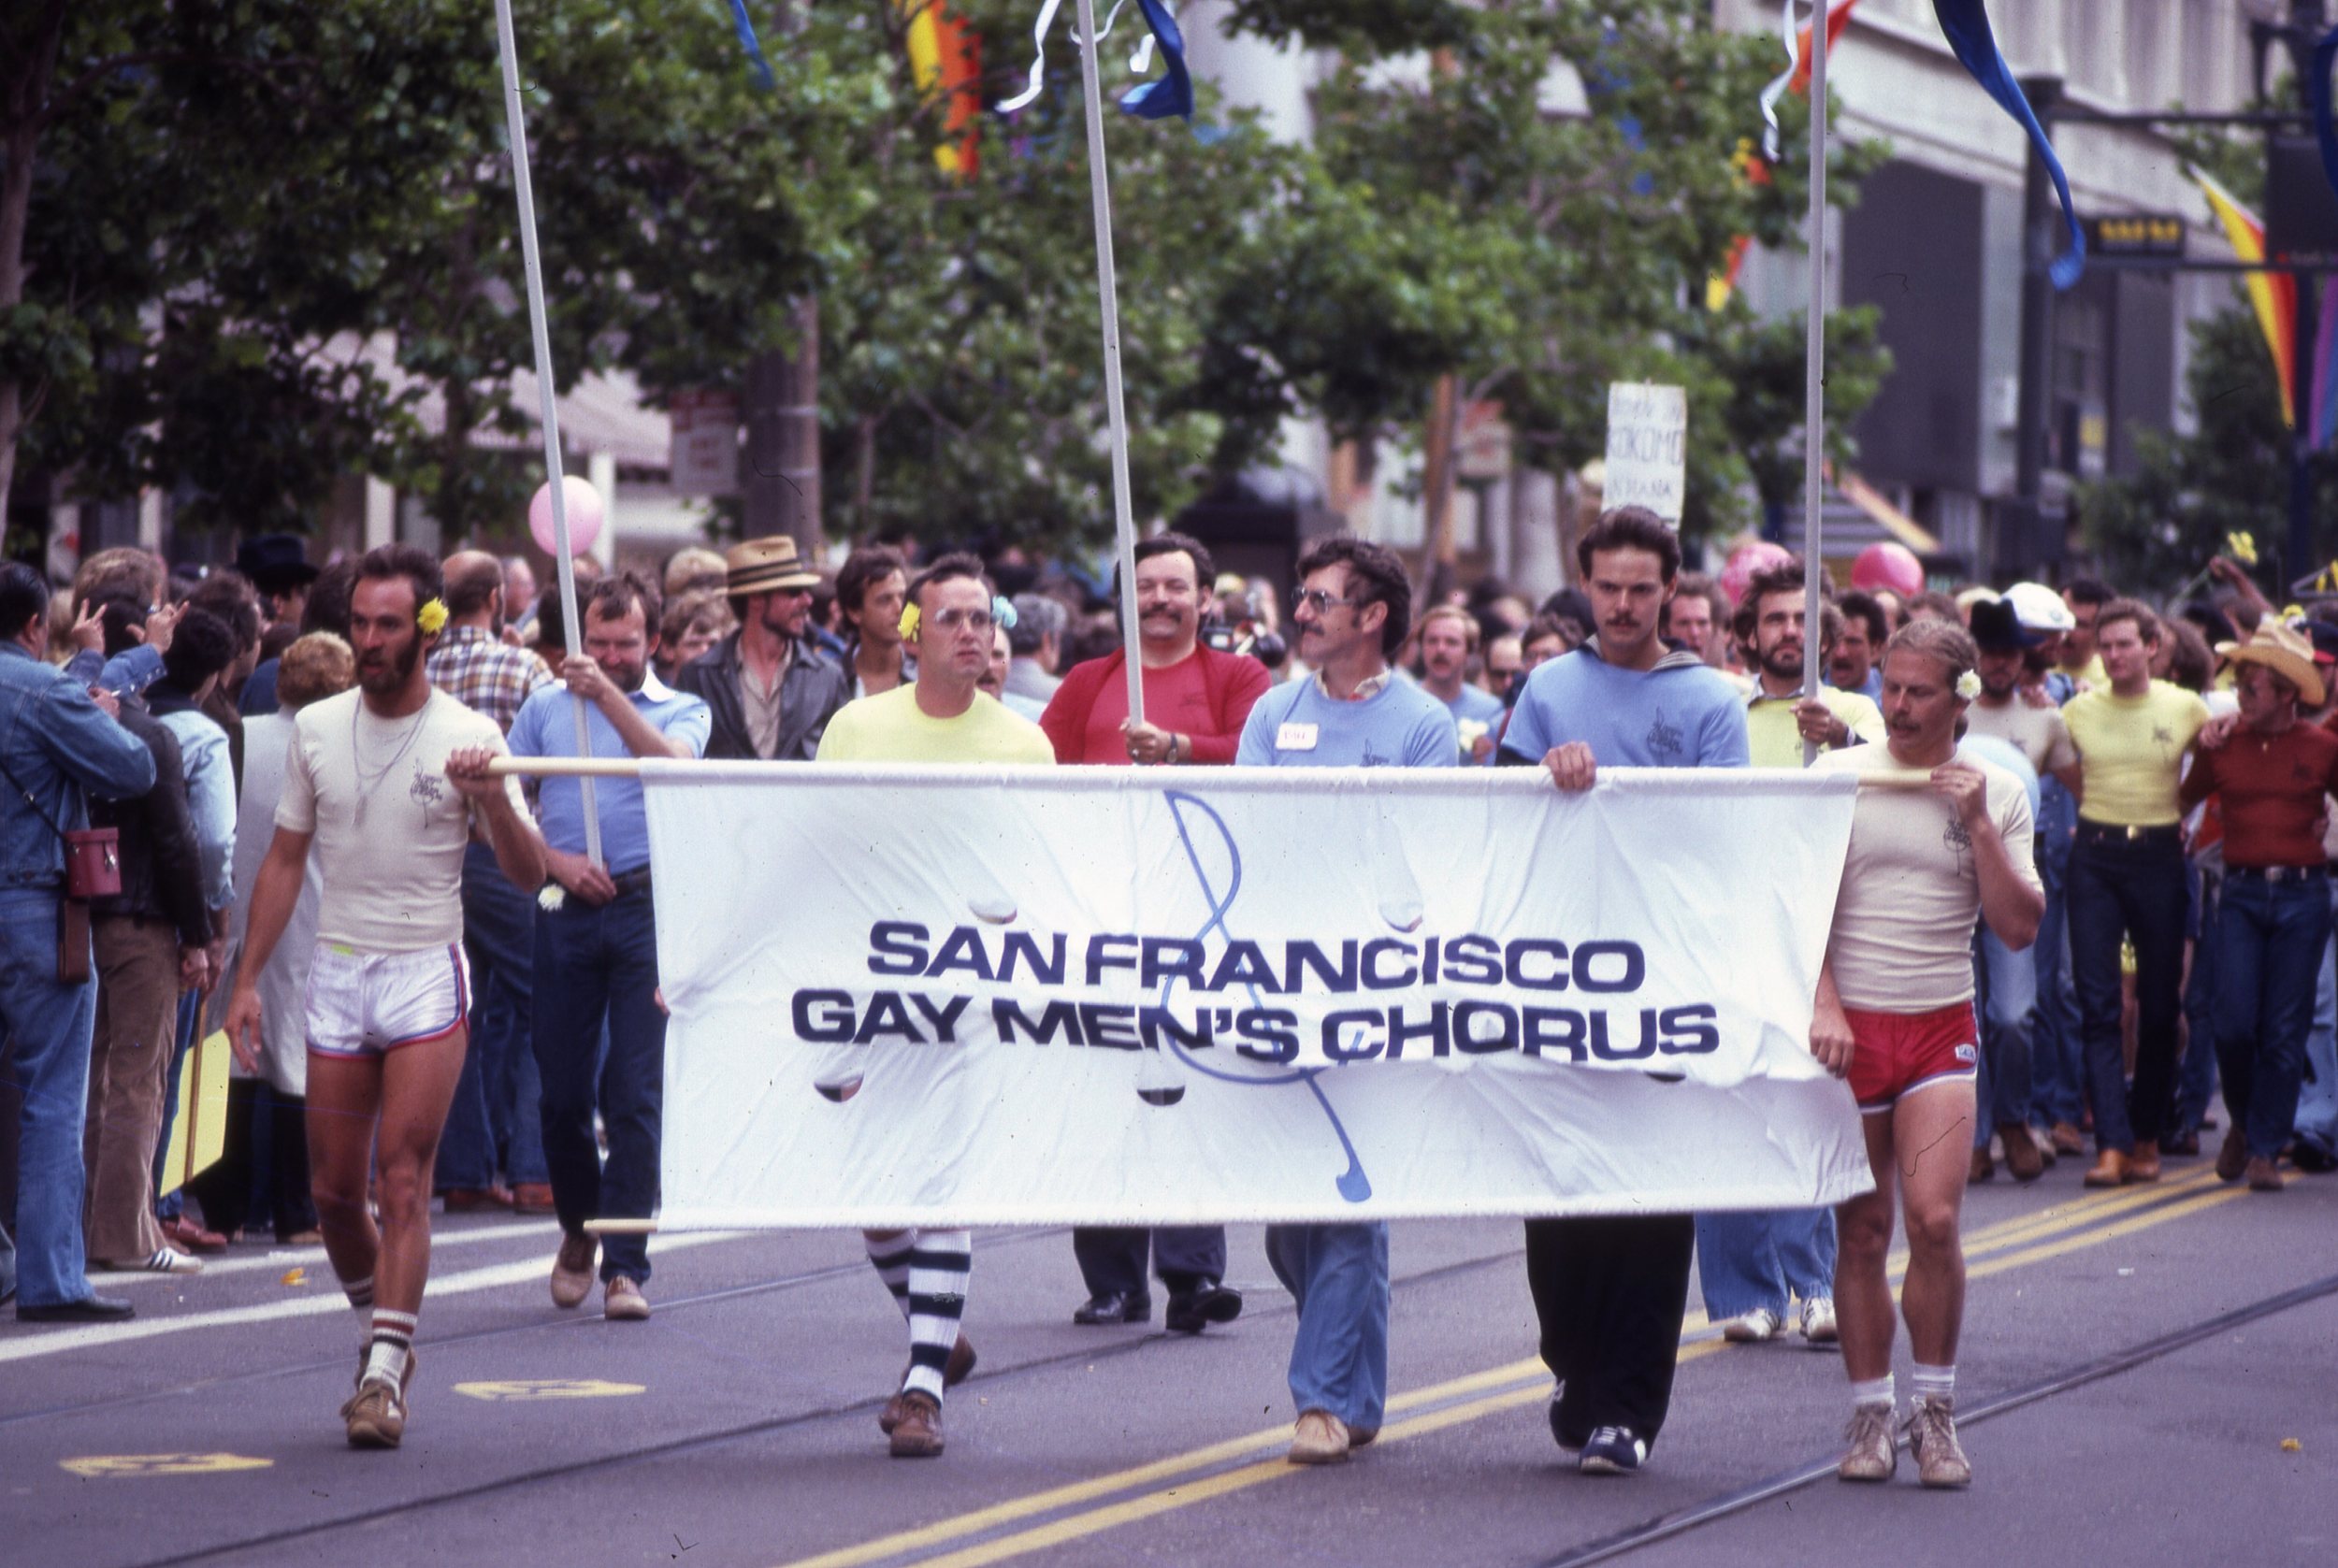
x=1112 y=1258
x=264 y=1159
x=1610 y=1294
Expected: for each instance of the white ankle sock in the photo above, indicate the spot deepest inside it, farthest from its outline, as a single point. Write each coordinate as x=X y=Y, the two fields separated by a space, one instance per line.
x=392 y=1348
x=1934 y=1382
x=1879 y=1392
x=360 y=1294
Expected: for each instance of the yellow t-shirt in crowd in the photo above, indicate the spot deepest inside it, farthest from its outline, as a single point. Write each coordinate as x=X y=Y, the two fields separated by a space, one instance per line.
x=2130 y=750
x=891 y=728
x=2092 y=676
x=1773 y=740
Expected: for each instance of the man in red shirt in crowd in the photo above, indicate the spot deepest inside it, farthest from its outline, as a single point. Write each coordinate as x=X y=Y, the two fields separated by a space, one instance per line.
x=1196 y=700
x=2272 y=771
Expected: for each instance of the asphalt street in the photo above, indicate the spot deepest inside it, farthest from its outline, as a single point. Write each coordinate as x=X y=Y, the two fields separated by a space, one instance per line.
x=2148 y=1377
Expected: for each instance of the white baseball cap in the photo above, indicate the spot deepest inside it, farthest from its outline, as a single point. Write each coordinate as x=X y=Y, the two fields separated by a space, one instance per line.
x=2039 y=608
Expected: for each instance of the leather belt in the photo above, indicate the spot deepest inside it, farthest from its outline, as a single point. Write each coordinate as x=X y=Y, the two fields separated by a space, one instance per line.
x=631 y=882
x=2279 y=873
x=2112 y=833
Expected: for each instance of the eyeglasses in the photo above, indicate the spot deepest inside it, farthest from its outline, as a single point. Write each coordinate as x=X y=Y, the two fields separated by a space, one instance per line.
x=970 y=620
x=1319 y=600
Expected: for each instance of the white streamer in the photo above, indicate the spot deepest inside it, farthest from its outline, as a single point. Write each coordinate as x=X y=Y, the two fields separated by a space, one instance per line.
x=1039 y=60
x=1777 y=89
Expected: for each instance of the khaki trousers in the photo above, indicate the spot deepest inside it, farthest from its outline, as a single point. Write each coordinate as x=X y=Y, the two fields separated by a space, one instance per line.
x=137 y=1024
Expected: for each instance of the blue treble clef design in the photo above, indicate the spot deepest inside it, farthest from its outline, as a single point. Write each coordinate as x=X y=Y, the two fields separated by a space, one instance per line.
x=1353 y=1185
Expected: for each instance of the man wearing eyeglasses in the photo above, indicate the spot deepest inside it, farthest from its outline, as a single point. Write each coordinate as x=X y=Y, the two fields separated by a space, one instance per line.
x=1354 y=612
x=943 y=716
x=1609 y=1292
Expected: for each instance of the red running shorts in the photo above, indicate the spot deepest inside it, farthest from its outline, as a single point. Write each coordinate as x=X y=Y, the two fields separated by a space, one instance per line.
x=1896 y=1054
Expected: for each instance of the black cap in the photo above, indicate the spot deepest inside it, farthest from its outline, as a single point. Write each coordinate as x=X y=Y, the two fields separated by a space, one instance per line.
x=275 y=562
x=1996 y=629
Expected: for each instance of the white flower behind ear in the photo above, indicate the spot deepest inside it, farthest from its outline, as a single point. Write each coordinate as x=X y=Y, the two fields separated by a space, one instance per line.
x=1968 y=686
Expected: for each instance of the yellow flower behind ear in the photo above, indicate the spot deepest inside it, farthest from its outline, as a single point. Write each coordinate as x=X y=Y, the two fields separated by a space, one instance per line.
x=909 y=621
x=432 y=617
x=2242 y=546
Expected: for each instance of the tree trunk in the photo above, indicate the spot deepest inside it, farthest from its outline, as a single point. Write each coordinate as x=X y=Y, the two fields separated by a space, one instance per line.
x=1437 y=473
x=784 y=436
x=27 y=94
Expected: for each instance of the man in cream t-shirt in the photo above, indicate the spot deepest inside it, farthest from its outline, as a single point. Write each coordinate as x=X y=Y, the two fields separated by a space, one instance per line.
x=385 y=785
x=1938 y=841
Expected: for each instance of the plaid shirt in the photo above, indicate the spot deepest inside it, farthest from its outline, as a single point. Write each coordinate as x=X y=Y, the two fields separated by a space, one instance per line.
x=485 y=675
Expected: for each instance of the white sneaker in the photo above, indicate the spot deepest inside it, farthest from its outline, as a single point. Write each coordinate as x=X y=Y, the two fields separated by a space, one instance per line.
x=1757 y=1327
x=167 y=1260
x=1818 y=1321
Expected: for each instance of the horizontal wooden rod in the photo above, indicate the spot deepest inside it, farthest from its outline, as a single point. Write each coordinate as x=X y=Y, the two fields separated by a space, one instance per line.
x=565 y=766
x=621 y=1227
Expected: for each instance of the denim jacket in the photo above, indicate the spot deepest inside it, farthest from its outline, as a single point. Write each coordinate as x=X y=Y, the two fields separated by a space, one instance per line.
x=55 y=744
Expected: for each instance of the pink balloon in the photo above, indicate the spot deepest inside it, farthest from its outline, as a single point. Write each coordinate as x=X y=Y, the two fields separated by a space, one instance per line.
x=1889 y=564
x=1754 y=555
x=583 y=506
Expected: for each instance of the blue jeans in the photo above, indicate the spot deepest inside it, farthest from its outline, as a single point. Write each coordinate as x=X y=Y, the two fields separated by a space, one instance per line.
x=2135 y=886
x=2272 y=938
x=2317 y=1100
x=2008 y=985
x=1758 y=1258
x=594 y=966
x=495 y=1121
x=2058 y=1069
x=1338 y=1275
x=52 y=1025
x=2196 y=1075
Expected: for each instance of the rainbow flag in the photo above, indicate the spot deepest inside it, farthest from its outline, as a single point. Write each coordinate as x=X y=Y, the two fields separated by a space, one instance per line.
x=945 y=61
x=2273 y=296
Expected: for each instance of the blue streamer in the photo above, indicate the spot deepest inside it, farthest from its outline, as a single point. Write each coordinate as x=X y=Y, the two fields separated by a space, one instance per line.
x=744 y=26
x=1966 y=24
x=1167 y=95
x=2324 y=132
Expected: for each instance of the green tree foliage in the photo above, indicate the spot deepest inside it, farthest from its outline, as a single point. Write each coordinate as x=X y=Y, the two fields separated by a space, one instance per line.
x=1453 y=223
x=2230 y=474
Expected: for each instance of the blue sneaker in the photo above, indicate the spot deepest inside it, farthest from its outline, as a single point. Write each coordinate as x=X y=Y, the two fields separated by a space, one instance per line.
x=1612 y=1451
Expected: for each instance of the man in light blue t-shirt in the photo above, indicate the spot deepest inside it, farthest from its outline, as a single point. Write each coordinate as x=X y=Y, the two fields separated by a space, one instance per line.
x=1448 y=640
x=1609 y=1292
x=1353 y=612
x=597 y=942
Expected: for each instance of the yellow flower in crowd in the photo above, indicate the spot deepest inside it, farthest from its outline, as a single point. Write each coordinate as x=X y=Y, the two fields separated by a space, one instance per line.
x=432 y=617
x=909 y=621
x=2242 y=546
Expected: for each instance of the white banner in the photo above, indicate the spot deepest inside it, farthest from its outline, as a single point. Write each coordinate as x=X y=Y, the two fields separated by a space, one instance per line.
x=1000 y=996
x=1648 y=433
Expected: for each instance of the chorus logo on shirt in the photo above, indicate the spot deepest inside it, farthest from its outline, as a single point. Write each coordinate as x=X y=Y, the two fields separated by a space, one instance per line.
x=1663 y=740
x=1957 y=840
x=428 y=789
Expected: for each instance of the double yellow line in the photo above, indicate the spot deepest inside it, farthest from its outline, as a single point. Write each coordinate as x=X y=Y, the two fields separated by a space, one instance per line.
x=1196 y=1475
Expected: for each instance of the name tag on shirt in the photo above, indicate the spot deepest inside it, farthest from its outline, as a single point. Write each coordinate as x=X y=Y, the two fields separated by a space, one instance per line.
x=1294 y=737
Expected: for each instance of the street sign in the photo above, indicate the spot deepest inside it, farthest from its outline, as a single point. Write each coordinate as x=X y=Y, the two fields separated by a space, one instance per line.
x=2151 y=235
x=705 y=445
x=1648 y=430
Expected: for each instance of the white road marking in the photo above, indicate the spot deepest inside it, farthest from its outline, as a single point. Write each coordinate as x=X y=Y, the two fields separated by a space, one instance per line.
x=279 y=1258
x=307 y=1305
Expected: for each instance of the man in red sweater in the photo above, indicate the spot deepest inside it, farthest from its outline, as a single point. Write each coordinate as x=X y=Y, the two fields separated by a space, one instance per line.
x=2271 y=771
x=1196 y=700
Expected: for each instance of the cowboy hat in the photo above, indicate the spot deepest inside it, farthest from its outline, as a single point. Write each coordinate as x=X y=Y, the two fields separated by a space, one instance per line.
x=767 y=565
x=2286 y=652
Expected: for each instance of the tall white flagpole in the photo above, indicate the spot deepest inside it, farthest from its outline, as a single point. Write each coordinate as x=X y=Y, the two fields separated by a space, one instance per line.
x=568 y=621
x=1109 y=298
x=1814 y=368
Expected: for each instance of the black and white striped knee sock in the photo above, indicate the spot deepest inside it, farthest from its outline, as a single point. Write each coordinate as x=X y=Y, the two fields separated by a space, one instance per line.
x=889 y=1258
x=392 y=1348
x=940 y=1265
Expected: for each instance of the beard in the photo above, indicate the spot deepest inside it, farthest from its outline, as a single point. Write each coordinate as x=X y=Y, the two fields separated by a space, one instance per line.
x=1783 y=661
x=385 y=676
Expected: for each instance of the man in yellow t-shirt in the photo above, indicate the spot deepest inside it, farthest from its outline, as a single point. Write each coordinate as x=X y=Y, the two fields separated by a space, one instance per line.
x=940 y=717
x=1751 y=1264
x=2126 y=880
x=1778 y=717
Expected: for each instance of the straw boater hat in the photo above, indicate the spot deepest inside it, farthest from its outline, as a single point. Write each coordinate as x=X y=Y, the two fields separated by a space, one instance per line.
x=2284 y=652
x=763 y=566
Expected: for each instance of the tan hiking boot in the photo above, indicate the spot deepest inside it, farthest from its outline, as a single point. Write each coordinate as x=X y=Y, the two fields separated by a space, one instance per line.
x=573 y=1270
x=1320 y=1438
x=1932 y=1439
x=917 y=1436
x=2110 y=1170
x=2144 y=1164
x=1870 y=1455
x=2023 y=1158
